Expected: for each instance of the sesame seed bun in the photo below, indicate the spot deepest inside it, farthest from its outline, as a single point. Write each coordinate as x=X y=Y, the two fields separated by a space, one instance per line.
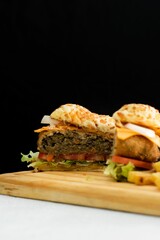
x=140 y=114
x=81 y=117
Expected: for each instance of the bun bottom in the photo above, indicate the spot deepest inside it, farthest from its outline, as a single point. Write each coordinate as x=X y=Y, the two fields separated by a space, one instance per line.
x=60 y=167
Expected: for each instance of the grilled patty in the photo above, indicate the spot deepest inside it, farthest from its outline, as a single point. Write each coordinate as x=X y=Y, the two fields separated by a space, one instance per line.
x=74 y=141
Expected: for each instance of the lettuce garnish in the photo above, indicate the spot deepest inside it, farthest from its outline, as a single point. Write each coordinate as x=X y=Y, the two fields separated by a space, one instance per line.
x=118 y=171
x=30 y=157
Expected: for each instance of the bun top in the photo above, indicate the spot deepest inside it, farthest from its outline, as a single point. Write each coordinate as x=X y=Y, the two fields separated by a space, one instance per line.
x=81 y=117
x=140 y=114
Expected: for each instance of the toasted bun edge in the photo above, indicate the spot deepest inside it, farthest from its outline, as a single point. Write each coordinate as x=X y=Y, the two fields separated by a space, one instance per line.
x=140 y=114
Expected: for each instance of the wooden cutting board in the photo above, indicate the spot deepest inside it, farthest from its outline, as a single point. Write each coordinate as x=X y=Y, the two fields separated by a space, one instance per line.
x=91 y=189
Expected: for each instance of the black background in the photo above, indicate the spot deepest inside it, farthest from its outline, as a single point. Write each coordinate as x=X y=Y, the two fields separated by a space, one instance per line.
x=99 y=54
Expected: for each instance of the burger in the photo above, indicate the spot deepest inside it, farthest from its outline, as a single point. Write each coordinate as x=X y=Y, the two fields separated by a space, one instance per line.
x=73 y=138
x=137 y=144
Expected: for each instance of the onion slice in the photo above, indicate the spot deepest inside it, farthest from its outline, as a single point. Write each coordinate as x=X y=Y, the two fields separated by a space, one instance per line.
x=142 y=130
x=48 y=120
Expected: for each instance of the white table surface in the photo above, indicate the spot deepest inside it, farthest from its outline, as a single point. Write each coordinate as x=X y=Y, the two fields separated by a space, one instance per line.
x=26 y=219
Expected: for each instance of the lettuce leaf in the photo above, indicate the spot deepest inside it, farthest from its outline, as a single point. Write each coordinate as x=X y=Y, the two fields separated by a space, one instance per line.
x=118 y=171
x=30 y=157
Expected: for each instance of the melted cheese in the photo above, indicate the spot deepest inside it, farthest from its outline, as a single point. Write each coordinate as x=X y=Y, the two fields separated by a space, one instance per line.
x=46 y=128
x=124 y=133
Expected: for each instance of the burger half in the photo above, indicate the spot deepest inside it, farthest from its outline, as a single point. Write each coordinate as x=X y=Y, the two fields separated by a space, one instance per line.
x=73 y=139
x=138 y=143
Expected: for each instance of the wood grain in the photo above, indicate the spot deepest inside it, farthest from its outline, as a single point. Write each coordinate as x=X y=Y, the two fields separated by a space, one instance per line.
x=91 y=189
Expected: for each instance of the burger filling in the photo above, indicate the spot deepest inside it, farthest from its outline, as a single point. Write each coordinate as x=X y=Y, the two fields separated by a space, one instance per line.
x=69 y=148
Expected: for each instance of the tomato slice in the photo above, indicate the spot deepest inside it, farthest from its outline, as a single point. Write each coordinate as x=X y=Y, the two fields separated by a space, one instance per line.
x=47 y=157
x=137 y=163
x=75 y=156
